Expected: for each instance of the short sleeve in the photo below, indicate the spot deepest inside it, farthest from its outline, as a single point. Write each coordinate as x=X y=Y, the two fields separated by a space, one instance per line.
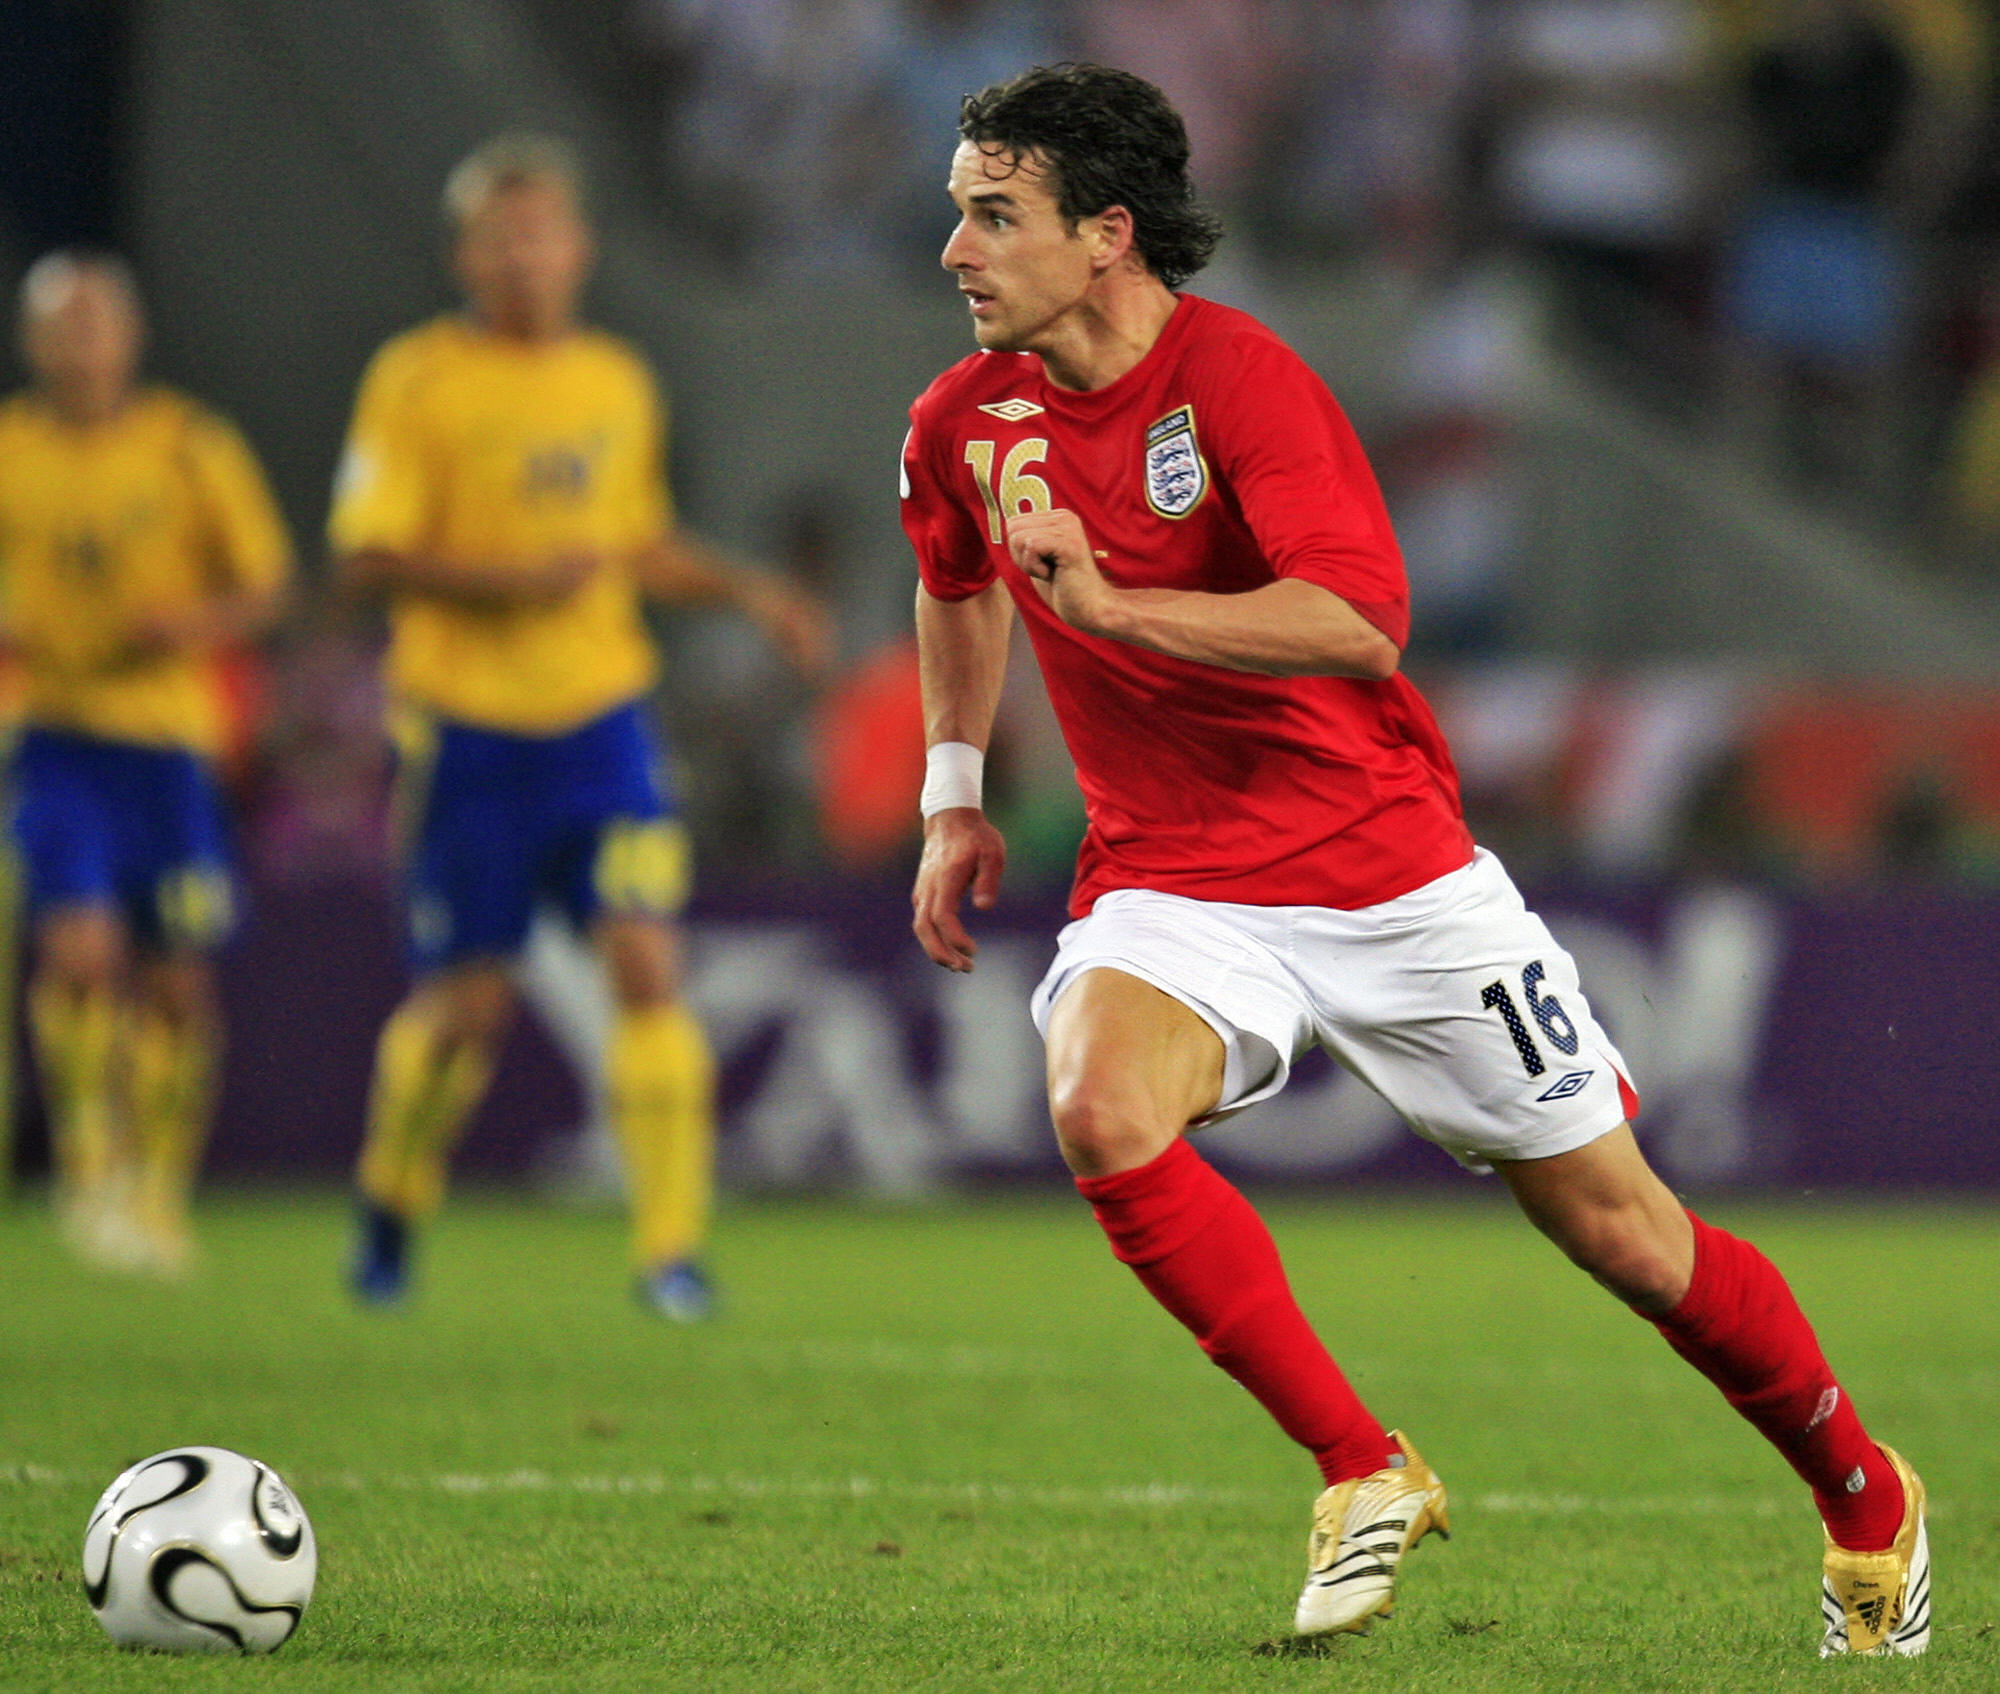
x=954 y=561
x=382 y=493
x=1281 y=444
x=245 y=532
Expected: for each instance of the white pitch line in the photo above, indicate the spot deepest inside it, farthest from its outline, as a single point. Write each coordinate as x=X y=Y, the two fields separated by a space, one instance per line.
x=1145 y=1497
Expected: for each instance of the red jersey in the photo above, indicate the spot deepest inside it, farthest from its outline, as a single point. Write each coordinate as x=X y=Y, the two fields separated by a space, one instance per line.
x=1218 y=463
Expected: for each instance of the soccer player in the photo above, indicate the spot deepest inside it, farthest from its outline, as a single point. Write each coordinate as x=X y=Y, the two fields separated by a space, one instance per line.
x=137 y=539
x=1276 y=856
x=503 y=487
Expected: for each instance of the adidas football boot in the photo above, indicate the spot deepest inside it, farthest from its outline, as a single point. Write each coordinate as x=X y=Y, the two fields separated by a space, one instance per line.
x=1880 y=1603
x=1361 y=1530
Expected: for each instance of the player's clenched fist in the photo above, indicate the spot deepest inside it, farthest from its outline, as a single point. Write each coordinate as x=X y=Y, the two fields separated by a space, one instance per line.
x=961 y=850
x=1053 y=550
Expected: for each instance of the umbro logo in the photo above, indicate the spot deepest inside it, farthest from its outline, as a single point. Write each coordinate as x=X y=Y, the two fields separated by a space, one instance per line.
x=1012 y=411
x=1566 y=1086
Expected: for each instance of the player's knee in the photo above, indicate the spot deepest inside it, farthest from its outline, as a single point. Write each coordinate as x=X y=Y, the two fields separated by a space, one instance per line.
x=642 y=959
x=471 y=1008
x=85 y=955
x=183 y=992
x=1100 y=1131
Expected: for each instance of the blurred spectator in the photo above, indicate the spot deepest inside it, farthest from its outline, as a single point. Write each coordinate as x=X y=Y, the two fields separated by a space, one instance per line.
x=1226 y=64
x=1816 y=279
x=1720 y=837
x=1447 y=464
x=944 y=50
x=868 y=744
x=1706 y=772
x=1565 y=771
x=1511 y=727
x=1600 y=159
x=1856 y=780
x=738 y=709
x=868 y=756
x=1917 y=831
x=780 y=157
x=1376 y=143
x=1031 y=781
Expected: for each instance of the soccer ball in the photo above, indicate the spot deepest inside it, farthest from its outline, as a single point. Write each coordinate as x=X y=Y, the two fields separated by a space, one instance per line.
x=199 y=1550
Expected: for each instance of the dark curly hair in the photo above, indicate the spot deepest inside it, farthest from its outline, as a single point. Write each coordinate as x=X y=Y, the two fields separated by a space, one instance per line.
x=1110 y=139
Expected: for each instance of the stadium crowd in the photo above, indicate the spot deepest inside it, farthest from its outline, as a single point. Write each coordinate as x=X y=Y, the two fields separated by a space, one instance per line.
x=1777 y=220
x=1780 y=214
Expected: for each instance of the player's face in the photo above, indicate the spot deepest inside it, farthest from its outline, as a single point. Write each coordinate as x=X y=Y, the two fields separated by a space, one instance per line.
x=81 y=340
x=1021 y=265
x=522 y=258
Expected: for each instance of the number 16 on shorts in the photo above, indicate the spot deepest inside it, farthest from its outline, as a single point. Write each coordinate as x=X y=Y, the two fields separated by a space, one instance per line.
x=1554 y=1022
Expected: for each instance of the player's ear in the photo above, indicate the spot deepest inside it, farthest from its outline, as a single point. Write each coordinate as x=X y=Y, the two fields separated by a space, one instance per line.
x=1111 y=233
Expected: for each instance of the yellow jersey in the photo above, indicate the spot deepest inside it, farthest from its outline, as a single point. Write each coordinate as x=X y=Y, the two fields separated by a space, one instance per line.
x=105 y=525
x=472 y=448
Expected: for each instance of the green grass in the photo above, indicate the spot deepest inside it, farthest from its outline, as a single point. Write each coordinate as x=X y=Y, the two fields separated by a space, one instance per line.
x=958 y=1449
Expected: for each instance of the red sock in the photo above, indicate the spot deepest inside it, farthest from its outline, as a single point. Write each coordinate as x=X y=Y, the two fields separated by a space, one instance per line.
x=1204 y=1254
x=1740 y=1327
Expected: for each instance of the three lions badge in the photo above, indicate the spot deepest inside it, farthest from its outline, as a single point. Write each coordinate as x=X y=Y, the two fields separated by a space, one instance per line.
x=1176 y=476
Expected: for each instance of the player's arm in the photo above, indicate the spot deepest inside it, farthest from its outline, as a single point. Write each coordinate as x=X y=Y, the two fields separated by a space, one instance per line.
x=962 y=656
x=247 y=552
x=487 y=585
x=230 y=617
x=1339 y=604
x=681 y=569
x=1286 y=628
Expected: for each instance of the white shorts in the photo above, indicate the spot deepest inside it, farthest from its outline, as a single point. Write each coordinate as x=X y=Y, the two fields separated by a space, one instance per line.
x=1453 y=1002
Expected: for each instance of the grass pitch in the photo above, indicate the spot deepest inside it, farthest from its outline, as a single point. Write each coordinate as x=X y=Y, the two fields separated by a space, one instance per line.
x=958 y=1448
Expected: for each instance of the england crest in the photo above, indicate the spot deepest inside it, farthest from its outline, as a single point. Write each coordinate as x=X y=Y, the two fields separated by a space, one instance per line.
x=1176 y=475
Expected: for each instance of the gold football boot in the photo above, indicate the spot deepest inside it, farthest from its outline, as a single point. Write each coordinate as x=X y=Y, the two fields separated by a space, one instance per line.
x=1880 y=1603
x=1361 y=1530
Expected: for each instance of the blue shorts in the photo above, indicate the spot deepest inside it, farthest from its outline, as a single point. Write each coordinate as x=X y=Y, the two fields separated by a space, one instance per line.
x=132 y=827
x=498 y=824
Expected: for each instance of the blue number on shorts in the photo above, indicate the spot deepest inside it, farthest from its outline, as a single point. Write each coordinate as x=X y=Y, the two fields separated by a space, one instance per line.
x=1496 y=996
x=1548 y=1012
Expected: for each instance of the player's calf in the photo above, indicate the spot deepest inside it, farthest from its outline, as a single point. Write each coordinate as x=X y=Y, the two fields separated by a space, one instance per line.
x=1602 y=1204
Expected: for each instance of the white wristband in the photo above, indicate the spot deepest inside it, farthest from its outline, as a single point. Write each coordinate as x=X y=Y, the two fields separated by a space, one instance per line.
x=952 y=776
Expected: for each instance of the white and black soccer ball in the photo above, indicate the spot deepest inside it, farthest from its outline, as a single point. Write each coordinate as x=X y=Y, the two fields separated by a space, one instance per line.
x=199 y=1550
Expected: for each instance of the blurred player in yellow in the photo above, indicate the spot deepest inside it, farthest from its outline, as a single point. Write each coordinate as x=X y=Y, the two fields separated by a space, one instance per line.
x=137 y=540
x=504 y=487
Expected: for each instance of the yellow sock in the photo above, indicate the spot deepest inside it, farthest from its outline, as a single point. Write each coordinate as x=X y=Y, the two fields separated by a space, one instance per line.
x=75 y=1041
x=172 y=1094
x=662 y=1085
x=420 y=1101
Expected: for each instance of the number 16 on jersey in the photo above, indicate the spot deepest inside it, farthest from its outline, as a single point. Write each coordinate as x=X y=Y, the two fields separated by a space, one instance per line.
x=1019 y=491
